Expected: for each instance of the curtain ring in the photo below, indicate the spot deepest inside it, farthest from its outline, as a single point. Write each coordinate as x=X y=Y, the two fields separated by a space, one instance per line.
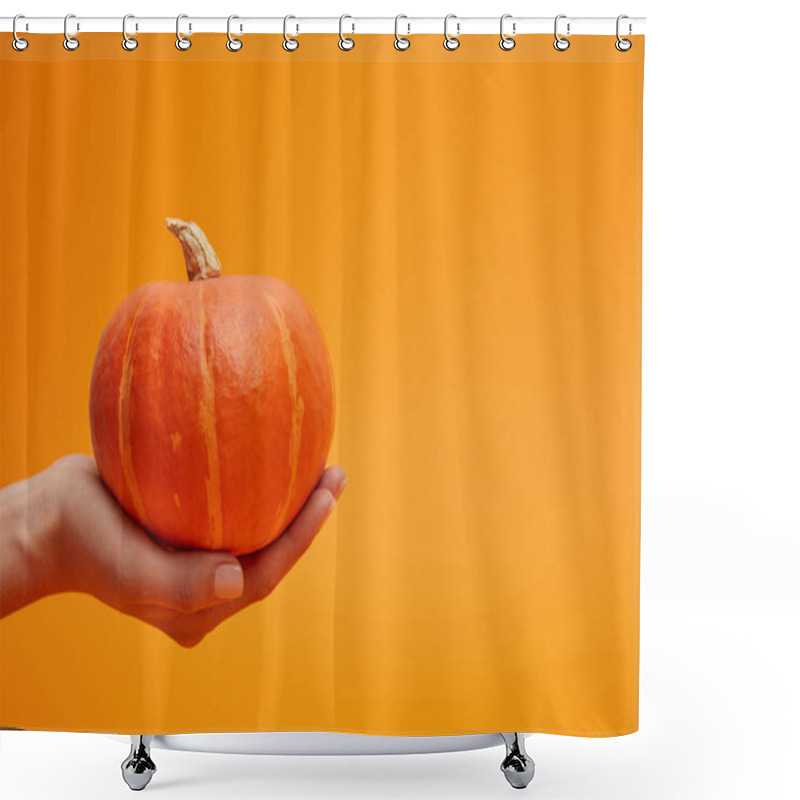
x=182 y=42
x=70 y=42
x=507 y=42
x=451 y=42
x=400 y=42
x=290 y=44
x=345 y=42
x=128 y=42
x=623 y=45
x=233 y=44
x=561 y=44
x=18 y=43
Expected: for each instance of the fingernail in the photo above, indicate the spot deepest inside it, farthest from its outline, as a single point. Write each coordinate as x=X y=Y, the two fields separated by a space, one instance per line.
x=340 y=487
x=228 y=581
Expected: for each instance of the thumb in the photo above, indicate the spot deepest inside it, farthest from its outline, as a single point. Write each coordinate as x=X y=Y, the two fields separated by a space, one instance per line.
x=186 y=581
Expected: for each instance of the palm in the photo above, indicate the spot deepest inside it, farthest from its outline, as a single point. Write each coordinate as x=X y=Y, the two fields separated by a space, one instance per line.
x=115 y=560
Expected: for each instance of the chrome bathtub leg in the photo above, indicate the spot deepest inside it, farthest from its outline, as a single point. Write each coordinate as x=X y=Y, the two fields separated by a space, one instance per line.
x=138 y=768
x=517 y=766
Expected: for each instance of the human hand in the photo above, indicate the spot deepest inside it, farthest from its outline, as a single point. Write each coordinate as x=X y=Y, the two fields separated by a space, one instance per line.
x=95 y=547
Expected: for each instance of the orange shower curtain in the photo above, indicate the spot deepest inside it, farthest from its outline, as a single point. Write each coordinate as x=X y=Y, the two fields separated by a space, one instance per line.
x=466 y=229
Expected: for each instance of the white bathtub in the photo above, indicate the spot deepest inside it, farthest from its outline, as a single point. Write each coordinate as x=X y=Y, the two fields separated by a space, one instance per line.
x=293 y=743
x=138 y=768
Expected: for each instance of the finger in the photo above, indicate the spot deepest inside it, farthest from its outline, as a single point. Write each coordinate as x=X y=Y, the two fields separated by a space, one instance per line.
x=229 y=581
x=334 y=480
x=185 y=581
x=262 y=572
x=265 y=569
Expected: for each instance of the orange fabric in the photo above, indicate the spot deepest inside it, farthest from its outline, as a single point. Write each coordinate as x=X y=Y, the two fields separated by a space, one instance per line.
x=466 y=227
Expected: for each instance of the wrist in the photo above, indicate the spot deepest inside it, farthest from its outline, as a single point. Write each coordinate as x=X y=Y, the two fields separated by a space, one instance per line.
x=55 y=557
x=29 y=519
x=44 y=532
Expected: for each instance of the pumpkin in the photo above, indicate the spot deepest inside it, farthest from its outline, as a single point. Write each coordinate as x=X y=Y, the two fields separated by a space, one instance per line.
x=212 y=404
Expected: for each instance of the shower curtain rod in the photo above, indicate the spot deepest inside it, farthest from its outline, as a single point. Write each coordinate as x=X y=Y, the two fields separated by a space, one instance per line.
x=457 y=26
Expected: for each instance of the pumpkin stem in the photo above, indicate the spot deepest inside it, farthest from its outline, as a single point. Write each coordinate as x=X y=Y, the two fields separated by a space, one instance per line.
x=201 y=260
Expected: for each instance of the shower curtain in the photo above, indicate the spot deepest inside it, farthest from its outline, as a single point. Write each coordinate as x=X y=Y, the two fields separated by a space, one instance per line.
x=420 y=269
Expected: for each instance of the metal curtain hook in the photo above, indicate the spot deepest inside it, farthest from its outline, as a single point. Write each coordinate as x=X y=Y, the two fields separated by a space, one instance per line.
x=507 y=42
x=400 y=42
x=70 y=42
x=18 y=43
x=290 y=44
x=345 y=42
x=451 y=42
x=233 y=44
x=623 y=45
x=181 y=41
x=128 y=42
x=561 y=44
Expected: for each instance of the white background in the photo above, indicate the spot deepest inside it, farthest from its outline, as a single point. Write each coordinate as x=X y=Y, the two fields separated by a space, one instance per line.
x=721 y=451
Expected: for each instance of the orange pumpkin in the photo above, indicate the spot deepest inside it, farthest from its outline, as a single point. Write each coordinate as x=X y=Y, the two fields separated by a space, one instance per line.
x=212 y=404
